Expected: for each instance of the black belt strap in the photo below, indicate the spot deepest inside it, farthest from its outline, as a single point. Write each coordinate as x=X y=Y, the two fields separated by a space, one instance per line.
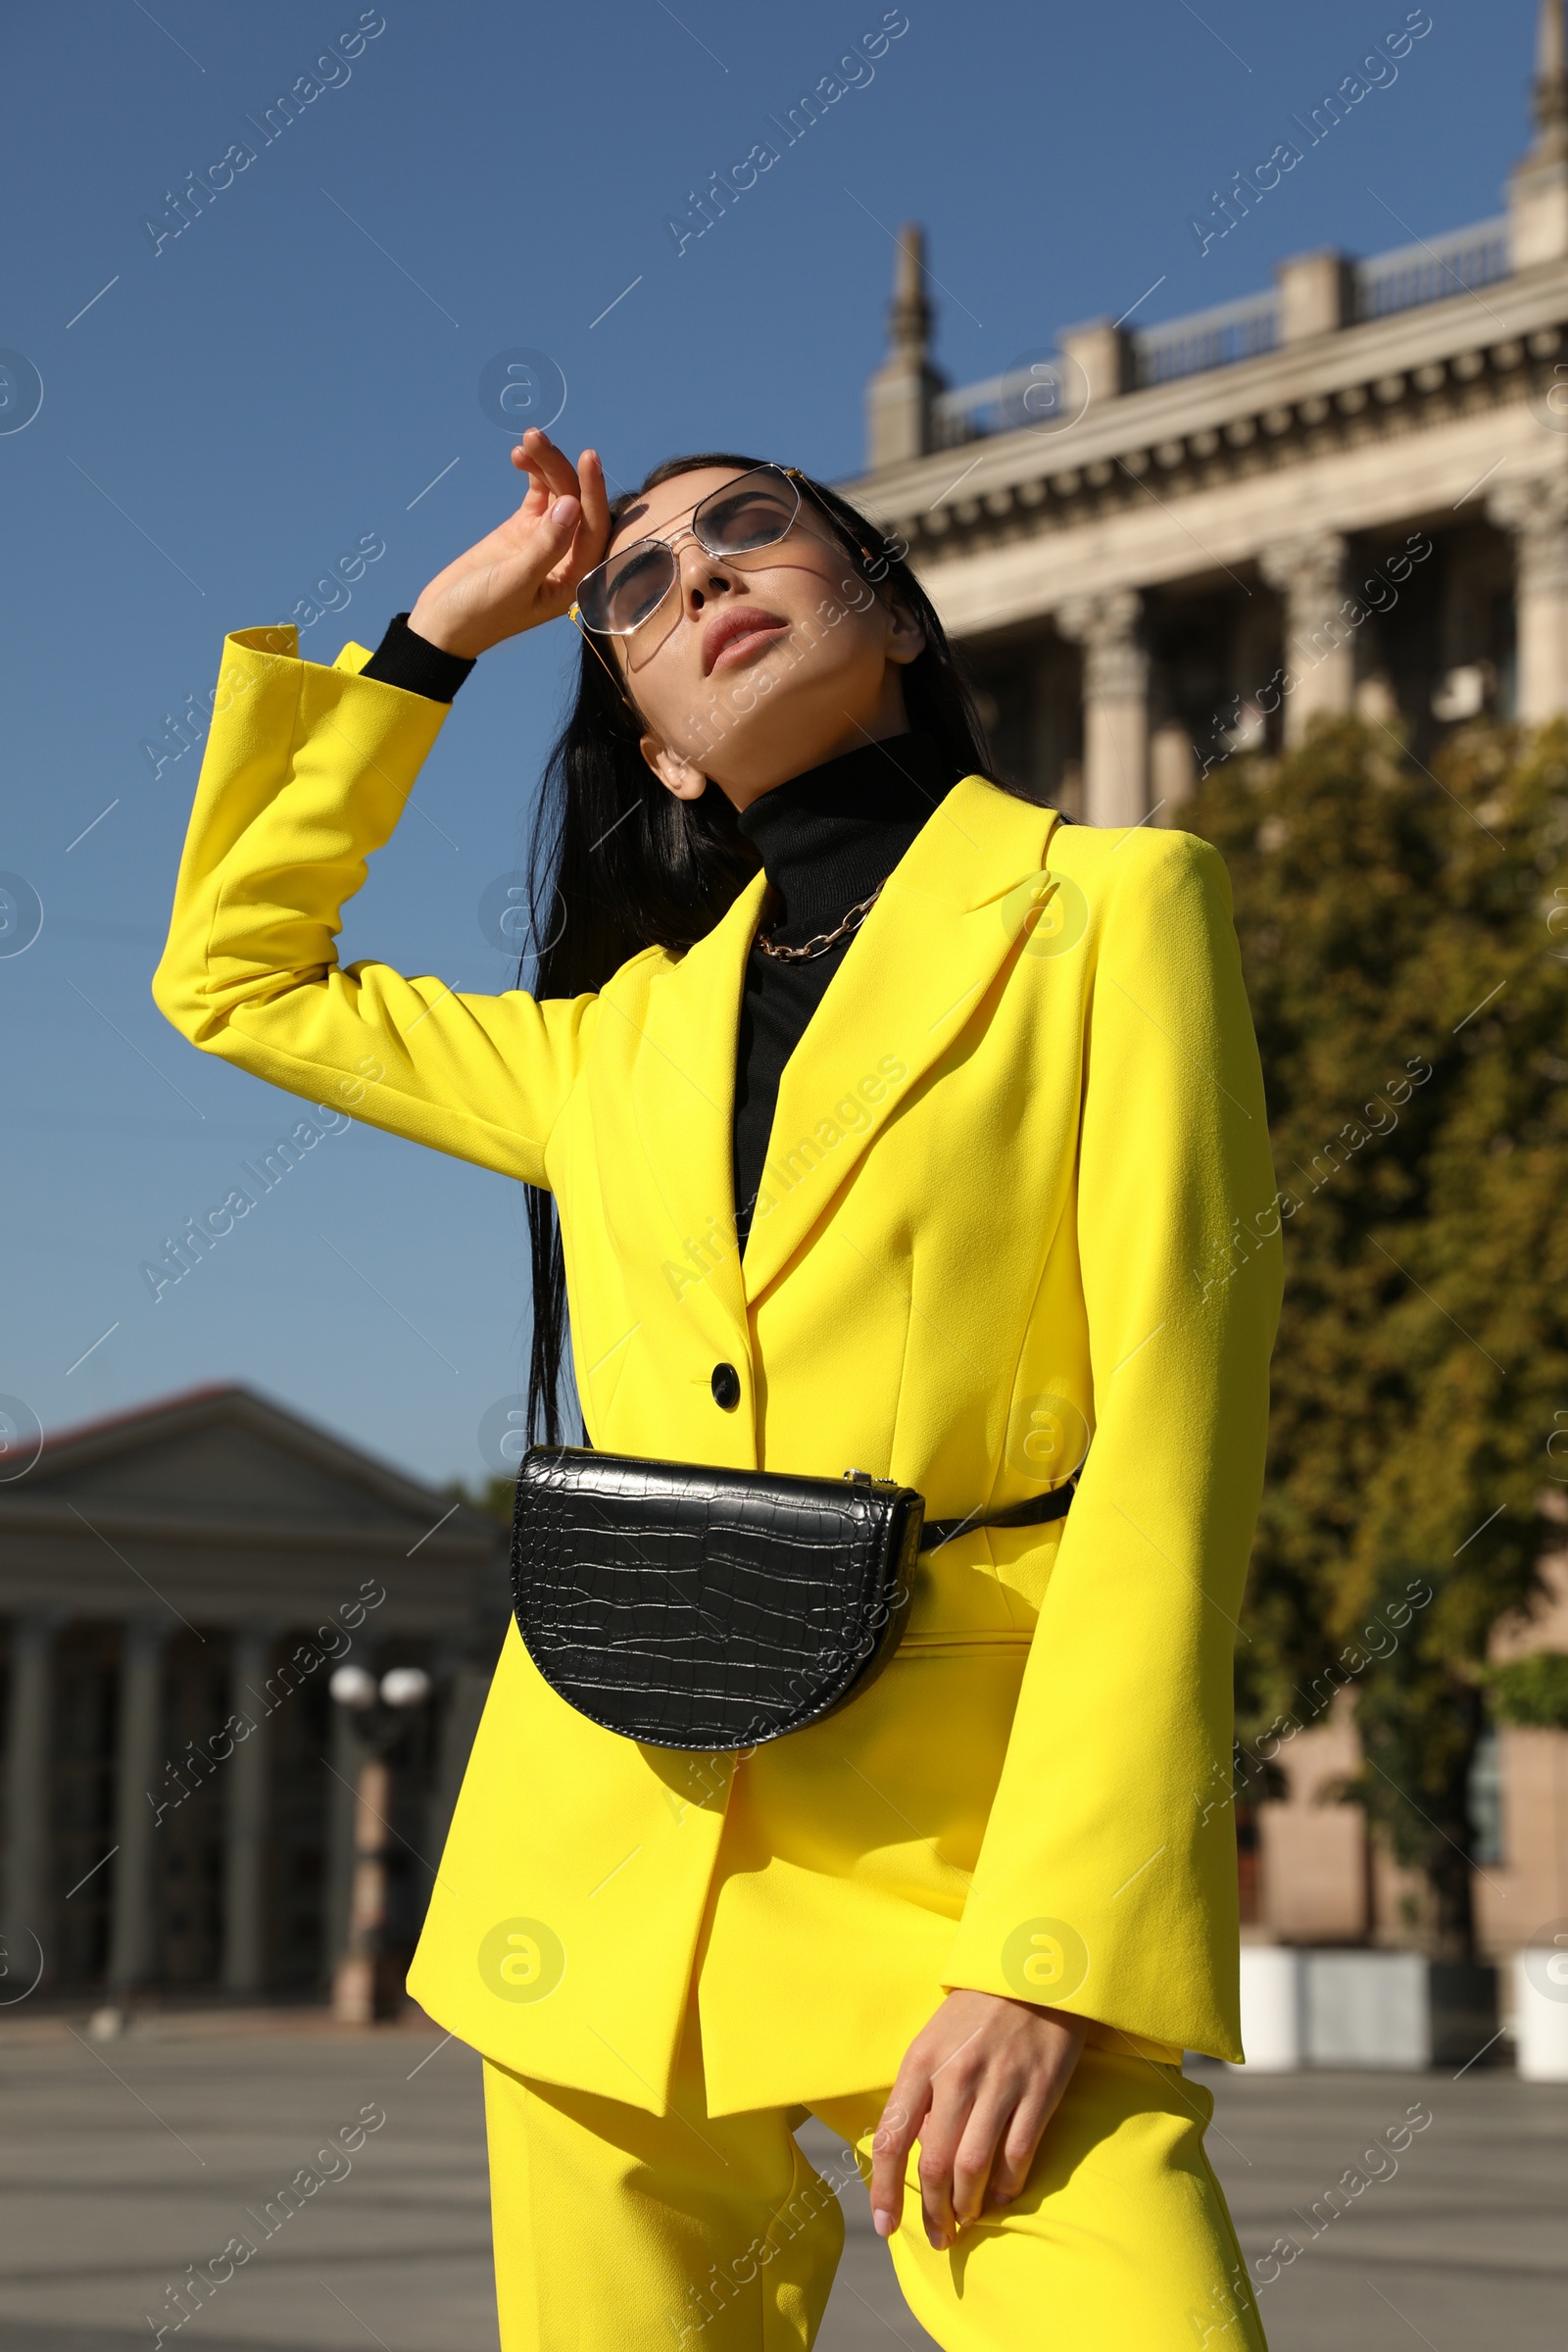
x=1044 y=1507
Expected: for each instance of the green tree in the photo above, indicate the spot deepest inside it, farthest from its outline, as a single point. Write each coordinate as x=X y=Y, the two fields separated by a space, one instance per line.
x=495 y=1496
x=1532 y=1690
x=1405 y=934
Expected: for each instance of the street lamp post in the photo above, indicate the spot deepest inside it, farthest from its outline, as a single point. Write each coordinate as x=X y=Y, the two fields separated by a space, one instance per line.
x=382 y=1714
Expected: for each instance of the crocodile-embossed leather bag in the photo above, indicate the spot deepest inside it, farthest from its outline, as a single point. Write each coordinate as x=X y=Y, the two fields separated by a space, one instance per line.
x=696 y=1608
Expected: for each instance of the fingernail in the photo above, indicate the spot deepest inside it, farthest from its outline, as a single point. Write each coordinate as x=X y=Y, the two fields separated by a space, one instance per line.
x=882 y=2221
x=563 y=510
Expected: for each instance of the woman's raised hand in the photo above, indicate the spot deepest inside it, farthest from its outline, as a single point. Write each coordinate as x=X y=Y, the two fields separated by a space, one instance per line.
x=527 y=568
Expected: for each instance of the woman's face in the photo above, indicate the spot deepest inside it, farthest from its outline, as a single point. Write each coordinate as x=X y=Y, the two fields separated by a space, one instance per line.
x=757 y=666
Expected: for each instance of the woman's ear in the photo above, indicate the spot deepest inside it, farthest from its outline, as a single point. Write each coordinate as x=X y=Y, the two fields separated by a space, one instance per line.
x=906 y=639
x=677 y=775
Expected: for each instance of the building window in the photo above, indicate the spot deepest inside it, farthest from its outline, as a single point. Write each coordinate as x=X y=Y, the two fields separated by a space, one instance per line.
x=1485 y=1800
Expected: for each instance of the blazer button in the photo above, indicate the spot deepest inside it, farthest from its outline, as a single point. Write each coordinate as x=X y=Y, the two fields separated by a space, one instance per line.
x=726 y=1387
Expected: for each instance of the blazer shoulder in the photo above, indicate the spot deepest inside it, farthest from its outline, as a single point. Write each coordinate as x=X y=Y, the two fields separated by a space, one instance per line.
x=997 y=832
x=640 y=972
x=1118 y=863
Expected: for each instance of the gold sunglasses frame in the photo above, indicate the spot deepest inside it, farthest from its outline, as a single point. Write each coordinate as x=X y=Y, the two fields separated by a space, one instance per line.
x=791 y=473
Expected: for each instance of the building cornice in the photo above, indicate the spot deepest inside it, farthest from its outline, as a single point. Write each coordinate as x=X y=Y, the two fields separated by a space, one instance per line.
x=270 y=1539
x=1299 y=402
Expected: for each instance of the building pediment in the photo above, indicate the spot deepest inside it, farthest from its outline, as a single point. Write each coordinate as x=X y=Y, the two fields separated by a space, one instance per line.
x=228 y=1460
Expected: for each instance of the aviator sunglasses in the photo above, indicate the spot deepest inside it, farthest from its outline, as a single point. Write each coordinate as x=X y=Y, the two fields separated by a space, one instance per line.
x=757 y=510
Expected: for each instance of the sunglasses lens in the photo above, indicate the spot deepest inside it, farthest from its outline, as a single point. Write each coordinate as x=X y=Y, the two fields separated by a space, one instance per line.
x=619 y=595
x=755 y=512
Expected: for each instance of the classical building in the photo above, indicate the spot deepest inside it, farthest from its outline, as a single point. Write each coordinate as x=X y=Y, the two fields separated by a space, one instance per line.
x=1162 y=544
x=177 y=1586
x=1347 y=492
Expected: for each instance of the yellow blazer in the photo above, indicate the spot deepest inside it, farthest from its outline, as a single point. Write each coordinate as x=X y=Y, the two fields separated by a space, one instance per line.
x=1019 y=1191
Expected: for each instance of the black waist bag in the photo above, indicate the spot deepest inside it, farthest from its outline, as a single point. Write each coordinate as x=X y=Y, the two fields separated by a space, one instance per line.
x=690 y=1607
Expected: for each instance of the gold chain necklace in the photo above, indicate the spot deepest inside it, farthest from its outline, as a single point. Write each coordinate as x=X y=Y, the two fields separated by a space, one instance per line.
x=825 y=939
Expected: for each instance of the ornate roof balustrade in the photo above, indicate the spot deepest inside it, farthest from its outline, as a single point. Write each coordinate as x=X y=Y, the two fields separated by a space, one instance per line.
x=1406 y=279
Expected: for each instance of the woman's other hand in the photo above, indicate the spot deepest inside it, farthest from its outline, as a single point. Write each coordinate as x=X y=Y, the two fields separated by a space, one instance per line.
x=977 y=2088
x=526 y=570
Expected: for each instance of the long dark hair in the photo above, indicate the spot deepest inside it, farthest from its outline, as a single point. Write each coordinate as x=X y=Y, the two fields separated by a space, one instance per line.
x=618 y=864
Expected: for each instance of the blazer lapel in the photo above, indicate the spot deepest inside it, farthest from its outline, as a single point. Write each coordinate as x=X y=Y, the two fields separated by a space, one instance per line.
x=682 y=1101
x=918 y=969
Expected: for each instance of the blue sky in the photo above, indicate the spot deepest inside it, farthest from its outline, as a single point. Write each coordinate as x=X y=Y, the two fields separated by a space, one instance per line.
x=295 y=376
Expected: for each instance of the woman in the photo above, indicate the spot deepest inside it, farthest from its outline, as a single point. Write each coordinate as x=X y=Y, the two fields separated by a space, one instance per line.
x=947 y=1190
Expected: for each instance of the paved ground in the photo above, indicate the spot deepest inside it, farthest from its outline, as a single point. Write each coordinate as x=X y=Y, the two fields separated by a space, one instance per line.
x=1465 y=2246
x=122 y=2164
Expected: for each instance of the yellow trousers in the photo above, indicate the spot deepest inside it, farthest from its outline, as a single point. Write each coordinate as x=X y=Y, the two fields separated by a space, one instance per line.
x=616 y=2230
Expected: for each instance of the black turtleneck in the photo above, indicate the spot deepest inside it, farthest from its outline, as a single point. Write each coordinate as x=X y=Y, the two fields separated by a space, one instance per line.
x=827 y=839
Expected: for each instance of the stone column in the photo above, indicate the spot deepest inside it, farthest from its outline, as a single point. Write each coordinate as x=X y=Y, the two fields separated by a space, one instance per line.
x=1319 y=642
x=245 y=1815
x=28 y=1908
x=1115 y=704
x=1172 y=772
x=134 y=1933
x=342 y=1799
x=359 y=1986
x=1536 y=512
